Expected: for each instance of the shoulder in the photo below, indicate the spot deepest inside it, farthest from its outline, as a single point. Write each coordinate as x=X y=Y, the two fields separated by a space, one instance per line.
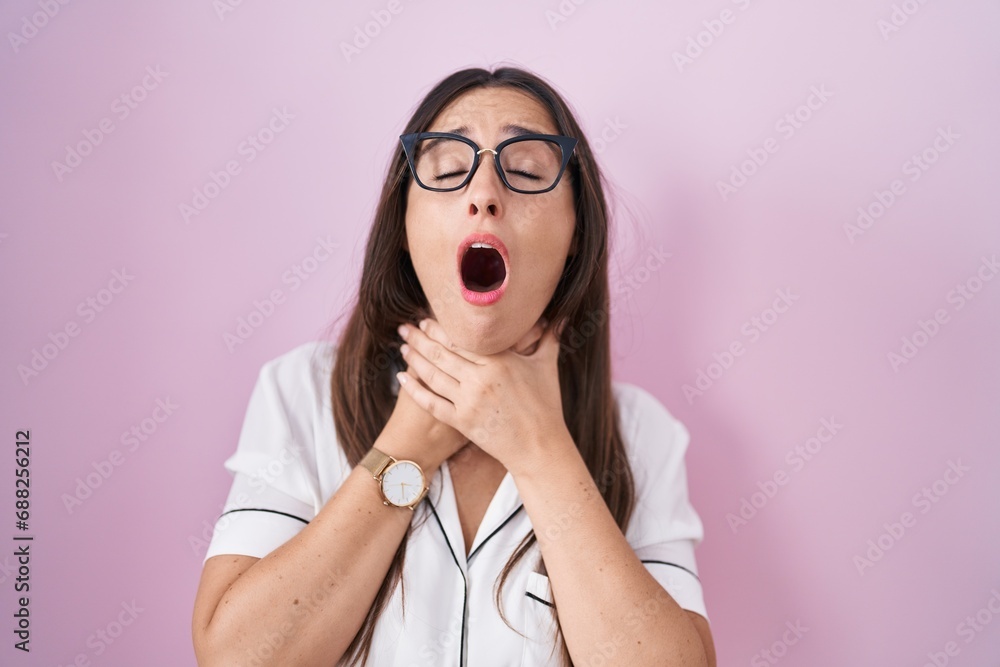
x=648 y=427
x=664 y=528
x=287 y=411
x=304 y=367
x=665 y=525
x=656 y=443
x=294 y=388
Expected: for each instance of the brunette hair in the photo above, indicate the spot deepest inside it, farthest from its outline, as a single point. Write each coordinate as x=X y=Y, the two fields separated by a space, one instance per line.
x=389 y=294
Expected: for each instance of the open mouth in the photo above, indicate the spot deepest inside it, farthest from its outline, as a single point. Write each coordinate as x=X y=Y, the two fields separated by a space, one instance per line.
x=483 y=268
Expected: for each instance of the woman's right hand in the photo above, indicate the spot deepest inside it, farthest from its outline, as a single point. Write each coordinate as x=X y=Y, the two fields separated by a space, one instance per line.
x=417 y=435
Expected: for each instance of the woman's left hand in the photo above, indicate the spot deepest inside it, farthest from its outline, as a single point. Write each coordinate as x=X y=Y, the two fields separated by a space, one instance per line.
x=502 y=402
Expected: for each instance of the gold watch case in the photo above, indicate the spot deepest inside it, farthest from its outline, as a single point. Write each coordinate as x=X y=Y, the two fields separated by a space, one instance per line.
x=381 y=465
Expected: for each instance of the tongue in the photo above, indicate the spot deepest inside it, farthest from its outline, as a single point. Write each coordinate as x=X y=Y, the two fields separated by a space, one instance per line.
x=483 y=269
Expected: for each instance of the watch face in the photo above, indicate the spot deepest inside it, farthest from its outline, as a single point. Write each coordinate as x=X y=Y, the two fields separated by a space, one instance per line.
x=402 y=482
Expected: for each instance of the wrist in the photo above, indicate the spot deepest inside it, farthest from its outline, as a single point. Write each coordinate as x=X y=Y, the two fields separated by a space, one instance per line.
x=403 y=447
x=541 y=454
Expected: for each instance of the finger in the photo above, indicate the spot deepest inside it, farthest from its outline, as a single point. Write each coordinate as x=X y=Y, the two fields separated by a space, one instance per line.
x=441 y=409
x=430 y=350
x=434 y=377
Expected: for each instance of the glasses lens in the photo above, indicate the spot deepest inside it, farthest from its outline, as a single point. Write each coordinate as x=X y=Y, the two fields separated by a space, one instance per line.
x=443 y=162
x=531 y=165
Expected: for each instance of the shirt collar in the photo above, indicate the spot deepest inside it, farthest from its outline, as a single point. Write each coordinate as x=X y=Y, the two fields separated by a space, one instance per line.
x=505 y=503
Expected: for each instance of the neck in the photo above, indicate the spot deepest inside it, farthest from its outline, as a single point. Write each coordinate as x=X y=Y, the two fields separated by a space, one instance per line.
x=469 y=454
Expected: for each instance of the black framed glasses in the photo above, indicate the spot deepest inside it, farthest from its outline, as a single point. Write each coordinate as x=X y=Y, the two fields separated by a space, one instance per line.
x=528 y=163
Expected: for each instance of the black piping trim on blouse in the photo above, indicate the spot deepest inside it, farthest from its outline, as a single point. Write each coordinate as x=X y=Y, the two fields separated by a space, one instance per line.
x=261 y=509
x=535 y=597
x=498 y=528
x=663 y=562
x=465 y=585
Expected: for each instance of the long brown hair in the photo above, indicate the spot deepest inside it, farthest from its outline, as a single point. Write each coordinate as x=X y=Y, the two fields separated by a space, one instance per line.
x=390 y=294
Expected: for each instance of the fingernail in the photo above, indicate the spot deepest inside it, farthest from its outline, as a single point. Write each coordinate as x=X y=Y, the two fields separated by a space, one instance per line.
x=423 y=325
x=401 y=376
x=402 y=331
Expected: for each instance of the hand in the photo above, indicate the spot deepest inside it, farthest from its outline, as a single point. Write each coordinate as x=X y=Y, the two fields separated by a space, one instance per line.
x=501 y=401
x=415 y=434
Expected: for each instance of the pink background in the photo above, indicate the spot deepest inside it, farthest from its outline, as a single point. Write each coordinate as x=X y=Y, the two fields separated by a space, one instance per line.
x=670 y=134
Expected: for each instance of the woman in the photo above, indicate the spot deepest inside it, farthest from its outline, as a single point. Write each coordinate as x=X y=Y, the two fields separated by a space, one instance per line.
x=500 y=501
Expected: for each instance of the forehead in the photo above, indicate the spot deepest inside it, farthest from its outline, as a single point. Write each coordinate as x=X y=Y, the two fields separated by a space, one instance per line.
x=494 y=113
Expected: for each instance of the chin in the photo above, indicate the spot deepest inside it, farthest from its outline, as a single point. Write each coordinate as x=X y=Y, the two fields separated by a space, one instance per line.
x=481 y=336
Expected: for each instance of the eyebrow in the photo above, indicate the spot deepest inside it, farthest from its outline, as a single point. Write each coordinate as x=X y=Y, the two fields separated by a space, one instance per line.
x=509 y=128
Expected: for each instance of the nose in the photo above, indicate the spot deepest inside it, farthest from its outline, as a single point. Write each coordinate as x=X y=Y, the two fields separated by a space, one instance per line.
x=485 y=186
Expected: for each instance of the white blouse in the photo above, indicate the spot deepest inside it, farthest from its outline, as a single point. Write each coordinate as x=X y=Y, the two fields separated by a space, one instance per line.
x=288 y=463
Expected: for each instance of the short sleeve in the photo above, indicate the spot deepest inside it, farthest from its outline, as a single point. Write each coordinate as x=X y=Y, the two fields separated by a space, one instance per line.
x=274 y=489
x=665 y=528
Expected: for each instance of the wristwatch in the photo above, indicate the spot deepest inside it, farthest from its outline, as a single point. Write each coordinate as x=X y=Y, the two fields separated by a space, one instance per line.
x=401 y=483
